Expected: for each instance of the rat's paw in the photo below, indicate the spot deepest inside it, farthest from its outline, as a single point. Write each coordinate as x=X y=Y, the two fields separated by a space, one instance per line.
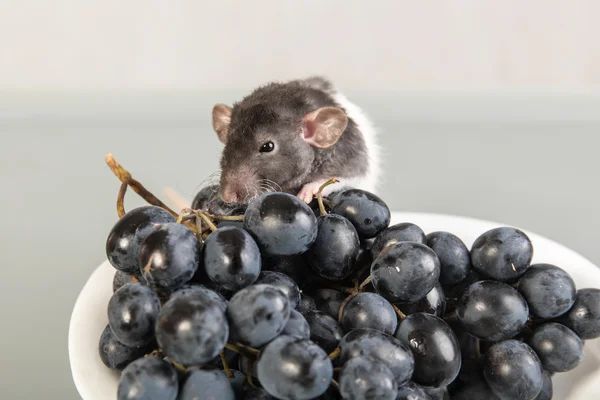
x=309 y=190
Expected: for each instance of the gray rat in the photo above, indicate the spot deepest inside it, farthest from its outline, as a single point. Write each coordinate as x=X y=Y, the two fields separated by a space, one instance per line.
x=292 y=137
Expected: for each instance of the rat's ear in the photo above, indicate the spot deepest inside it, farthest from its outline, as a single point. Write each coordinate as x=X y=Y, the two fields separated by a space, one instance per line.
x=221 y=117
x=324 y=126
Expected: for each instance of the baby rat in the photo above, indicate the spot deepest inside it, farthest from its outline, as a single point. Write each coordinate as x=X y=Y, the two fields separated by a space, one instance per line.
x=293 y=137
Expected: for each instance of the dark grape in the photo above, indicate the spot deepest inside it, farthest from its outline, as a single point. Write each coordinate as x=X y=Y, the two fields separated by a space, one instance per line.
x=584 y=316
x=283 y=283
x=231 y=258
x=455 y=260
x=233 y=224
x=333 y=255
x=208 y=199
x=202 y=384
x=382 y=347
x=237 y=383
x=547 y=391
x=115 y=355
x=257 y=314
x=169 y=256
x=148 y=378
x=329 y=301
x=204 y=196
x=120 y=279
x=245 y=364
x=436 y=393
x=367 y=212
x=433 y=303
x=492 y=310
x=132 y=313
x=412 y=391
x=306 y=304
x=192 y=329
x=363 y=378
x=324 y=330
x=503 y=254
x=454 y=292
x=292 y=368
x=435 y=348
x=405 y=272
x=193 y=288
x=404 y=232
x=548 y=290
x=369 y=311
x=126 y=236
x=513 y=370
x=558 y=347
x=281 y=224
x=293 y=266
x=471 y=367
x=475 y=390
x=296 y=326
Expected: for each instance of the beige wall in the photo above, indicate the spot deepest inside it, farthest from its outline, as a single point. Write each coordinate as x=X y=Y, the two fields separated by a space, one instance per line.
x=376 y=45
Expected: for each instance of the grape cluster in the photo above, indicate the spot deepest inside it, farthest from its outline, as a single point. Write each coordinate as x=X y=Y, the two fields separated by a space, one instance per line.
x=295 y=301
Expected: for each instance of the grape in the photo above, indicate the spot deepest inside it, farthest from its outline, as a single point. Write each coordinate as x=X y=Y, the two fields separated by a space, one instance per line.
x=476 y=390
x=436 y=393
x=435 y=348
x=245 y=364
x=367 y=212
x=363 y=378
x=115 y=355
x=306 y=304
x=455 y=260
x=169 y=256
x=513 y=370
x=329 y=301
x=433 y=303
x=405 y=272
x=492 y=311
x=292 y=368
x=120 y=279
x=454 y=292
x=126 y=236
x=209 y=200
x=370 y=311
x=204 y=196
x=404 y=232
x=412 y=391
x=233 y=224
x=257 y=314
x=192 y=329
x=191 y=289
x=255 y=393
x=201 y=384
x=148 y=378
x=132 y=313
x=296 y=326
x=281 y=224
x=324 y=330
x=333 y=255
x=548 y=290
x=470 y=368
x=382 y=347
x=237 y=383
x=584 y=316
x=231 y=258
x=546 y=392
x=283 y=283
x=292 y=266
x=558 y=347
x=503 y=254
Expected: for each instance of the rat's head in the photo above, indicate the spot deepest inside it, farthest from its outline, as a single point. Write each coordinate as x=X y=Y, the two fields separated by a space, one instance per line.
x=271 y=147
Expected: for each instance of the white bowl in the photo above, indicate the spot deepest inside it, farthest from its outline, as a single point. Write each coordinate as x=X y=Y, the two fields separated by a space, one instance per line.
x=94 y=381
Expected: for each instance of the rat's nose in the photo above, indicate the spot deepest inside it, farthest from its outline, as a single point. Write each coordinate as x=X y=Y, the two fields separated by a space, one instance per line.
x=230 y=195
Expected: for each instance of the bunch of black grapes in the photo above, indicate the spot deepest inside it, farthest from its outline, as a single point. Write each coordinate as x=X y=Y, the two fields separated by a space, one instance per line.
x=290 y=304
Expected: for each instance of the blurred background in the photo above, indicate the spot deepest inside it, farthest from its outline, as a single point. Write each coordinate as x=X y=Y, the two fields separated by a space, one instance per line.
x=485 y=109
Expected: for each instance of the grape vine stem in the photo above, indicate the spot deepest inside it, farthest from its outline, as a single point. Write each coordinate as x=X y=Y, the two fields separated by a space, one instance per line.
x=121 y=199
x=244 y=350
x=225 y=365
x=335 y=384
x=319 y=194
x=125 y=177
x=335 y=354
x=400 y=314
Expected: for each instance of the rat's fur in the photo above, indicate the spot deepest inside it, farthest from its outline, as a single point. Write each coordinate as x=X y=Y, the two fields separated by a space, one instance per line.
x=275 y=112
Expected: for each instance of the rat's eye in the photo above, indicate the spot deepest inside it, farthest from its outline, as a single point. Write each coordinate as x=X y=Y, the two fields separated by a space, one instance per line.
x=267 y=147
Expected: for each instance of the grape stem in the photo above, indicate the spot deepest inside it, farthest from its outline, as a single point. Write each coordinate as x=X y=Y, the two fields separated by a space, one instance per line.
x=400 y=314
x=121 y=199
x=364 y=283
x=319 y=194
x=335 y=354
x=178 y=366
x=225 y=365
x=335 y=384
x=244 y=350
x=125 y=177
x=206 y=218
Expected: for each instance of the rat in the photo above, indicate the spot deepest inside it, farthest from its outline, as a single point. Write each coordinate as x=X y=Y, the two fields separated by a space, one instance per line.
x=292 y=137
